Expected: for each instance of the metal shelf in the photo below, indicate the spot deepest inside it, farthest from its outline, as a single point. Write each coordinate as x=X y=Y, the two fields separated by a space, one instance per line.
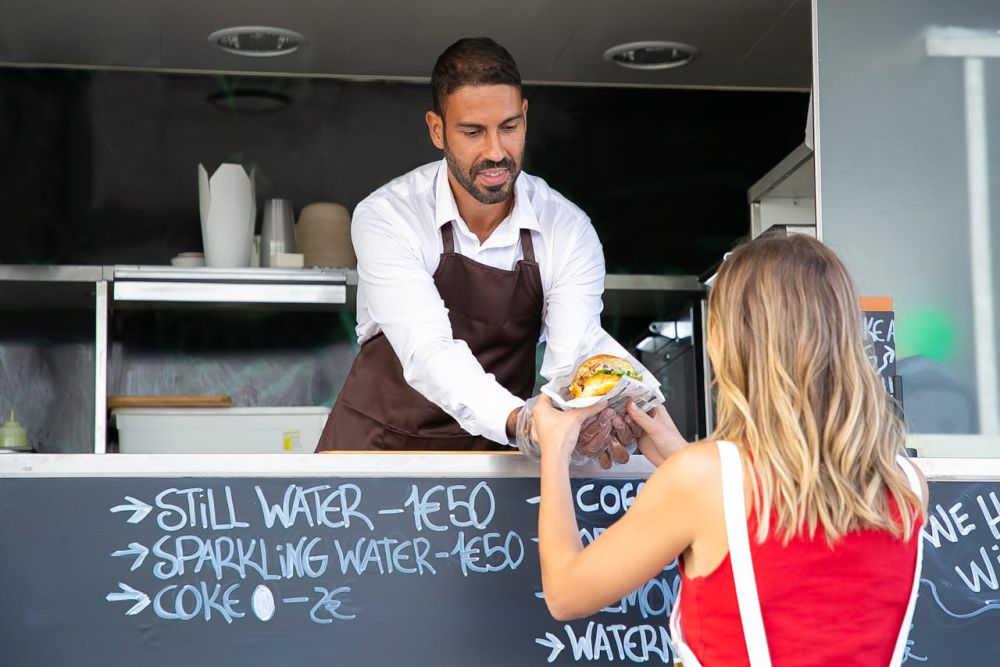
x=651 y=296
x=625 y=295
x=792 y=177
x=138 y=285
x=29 y=287
x=786 y=195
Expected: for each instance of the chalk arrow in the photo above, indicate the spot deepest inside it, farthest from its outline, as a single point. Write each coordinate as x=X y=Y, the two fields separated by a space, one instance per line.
x=129 y=593
x=138 y=508
x=989 y=605
x=552 y=642
x=134 y=549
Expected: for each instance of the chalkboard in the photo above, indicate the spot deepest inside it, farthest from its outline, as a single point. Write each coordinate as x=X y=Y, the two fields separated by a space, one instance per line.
x=957 y=619
x=393 y=571
x=243 y=571
x=880 y=344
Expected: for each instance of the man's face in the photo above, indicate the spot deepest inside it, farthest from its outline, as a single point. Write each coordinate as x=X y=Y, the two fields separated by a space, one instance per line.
x=482 y=136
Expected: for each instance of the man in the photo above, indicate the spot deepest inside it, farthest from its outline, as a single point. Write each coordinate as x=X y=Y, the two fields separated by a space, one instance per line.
x=462 y=266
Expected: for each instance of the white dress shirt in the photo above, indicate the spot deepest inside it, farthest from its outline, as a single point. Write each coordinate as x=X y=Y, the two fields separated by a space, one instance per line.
x=397 y=238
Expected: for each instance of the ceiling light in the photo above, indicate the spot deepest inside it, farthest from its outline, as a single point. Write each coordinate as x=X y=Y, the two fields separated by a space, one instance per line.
x=257 y=41
x=651 y=55
x=249 y=100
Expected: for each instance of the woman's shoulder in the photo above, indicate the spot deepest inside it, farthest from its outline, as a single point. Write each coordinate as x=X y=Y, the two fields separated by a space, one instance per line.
x=695 y=467
x=689 y=486
x=698 y=457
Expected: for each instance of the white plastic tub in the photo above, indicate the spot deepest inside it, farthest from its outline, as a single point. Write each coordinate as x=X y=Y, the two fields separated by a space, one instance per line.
x=294 y=430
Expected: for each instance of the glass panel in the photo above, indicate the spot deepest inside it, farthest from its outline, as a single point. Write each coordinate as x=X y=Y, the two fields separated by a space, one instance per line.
x=909 y=164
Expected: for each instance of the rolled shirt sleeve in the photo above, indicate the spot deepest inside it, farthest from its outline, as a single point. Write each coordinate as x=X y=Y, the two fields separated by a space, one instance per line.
x=573 y=302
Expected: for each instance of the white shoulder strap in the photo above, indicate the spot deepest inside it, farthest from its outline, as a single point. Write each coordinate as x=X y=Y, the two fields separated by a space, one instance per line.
x=904 y=630
x=734 y=508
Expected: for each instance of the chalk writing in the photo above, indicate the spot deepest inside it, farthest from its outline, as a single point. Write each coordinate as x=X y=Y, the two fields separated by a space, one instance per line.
x=134 y=549
x=880 y=345
x=473 y=509
x=326 y=609
x=166 y=573
x=262 y=603
x=989 y=606
x=130 y=594
x=908 y=653
x=600 y=642
x=654 y=599
x=227 y=554
x=198 y=510
x=952 y=524
x=489 y=552
x=319 y=505
x=609 y=499
x=186 y=602
x=138 y=508
x=960 y=584
x=991 y=512
x=387 y=555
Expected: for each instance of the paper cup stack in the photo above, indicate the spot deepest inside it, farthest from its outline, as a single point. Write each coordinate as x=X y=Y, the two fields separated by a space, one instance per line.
x=323 y=235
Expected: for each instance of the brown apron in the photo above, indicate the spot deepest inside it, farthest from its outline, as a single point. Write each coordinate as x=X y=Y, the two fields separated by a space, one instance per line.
x=497 y=313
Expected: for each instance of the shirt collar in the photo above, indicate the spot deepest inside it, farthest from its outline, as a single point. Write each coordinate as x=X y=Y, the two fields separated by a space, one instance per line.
x=522 y=215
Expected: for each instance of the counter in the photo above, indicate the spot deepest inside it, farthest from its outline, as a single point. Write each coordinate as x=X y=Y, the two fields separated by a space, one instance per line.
x=380 y=559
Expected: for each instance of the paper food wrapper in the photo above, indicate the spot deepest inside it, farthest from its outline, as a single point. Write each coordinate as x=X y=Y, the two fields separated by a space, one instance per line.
x=228 y=210
x=644 y=393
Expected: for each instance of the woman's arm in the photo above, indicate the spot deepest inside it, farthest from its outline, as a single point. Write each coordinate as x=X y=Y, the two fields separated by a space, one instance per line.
x=657 y=528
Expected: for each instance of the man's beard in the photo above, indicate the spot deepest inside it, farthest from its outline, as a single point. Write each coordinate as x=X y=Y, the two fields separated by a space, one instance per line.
x=489 y=195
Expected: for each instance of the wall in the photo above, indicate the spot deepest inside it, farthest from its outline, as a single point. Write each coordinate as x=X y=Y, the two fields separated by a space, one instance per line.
x=894 y=180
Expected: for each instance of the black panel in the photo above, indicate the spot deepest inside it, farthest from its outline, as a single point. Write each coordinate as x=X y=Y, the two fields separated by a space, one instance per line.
x=100 y=167
x=60 y=567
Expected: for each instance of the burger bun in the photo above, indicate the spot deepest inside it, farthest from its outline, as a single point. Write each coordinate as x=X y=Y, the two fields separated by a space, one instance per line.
x=599 y=374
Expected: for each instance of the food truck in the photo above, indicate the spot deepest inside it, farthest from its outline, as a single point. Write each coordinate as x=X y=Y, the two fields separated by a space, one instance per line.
x=158 y=490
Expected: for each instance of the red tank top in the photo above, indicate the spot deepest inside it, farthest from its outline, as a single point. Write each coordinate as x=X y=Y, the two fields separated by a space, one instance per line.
x=822 y=607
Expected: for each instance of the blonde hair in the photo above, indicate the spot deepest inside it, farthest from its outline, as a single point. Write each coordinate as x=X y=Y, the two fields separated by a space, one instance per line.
x=796 y=388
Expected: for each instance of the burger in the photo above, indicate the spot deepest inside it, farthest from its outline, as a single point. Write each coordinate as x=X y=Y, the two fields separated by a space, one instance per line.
x=599 y=374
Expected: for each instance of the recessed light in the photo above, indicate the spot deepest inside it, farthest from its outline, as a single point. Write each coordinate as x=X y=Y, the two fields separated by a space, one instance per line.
x=651 y=55
x=248 y=100
x=257 y=41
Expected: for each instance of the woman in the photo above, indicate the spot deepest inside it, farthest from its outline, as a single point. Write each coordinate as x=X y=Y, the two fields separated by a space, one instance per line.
x=832 y=510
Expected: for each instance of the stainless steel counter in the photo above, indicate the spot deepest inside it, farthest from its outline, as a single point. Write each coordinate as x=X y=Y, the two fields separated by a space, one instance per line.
x=350 y=464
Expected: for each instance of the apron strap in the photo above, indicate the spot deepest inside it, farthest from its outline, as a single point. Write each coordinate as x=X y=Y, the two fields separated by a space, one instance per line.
x=527 y=248
x=904 y=629
x=448 y=238
x=734 y=509
x=448 y=242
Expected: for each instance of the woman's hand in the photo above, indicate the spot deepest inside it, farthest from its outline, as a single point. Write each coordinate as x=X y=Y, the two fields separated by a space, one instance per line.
x=557 y=432
x=661 y=438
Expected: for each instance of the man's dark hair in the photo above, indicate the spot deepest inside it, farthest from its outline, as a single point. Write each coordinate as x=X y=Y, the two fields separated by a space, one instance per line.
x=472 y=61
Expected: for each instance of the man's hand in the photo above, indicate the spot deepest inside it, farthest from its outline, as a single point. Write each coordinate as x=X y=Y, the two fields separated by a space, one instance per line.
x=595 y=433
x=512 y=422
x=605 y=437
x=623 y=435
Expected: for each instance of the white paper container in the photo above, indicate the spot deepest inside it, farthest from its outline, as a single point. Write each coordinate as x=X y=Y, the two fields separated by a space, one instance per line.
x=227 y=204
x=292 y=430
